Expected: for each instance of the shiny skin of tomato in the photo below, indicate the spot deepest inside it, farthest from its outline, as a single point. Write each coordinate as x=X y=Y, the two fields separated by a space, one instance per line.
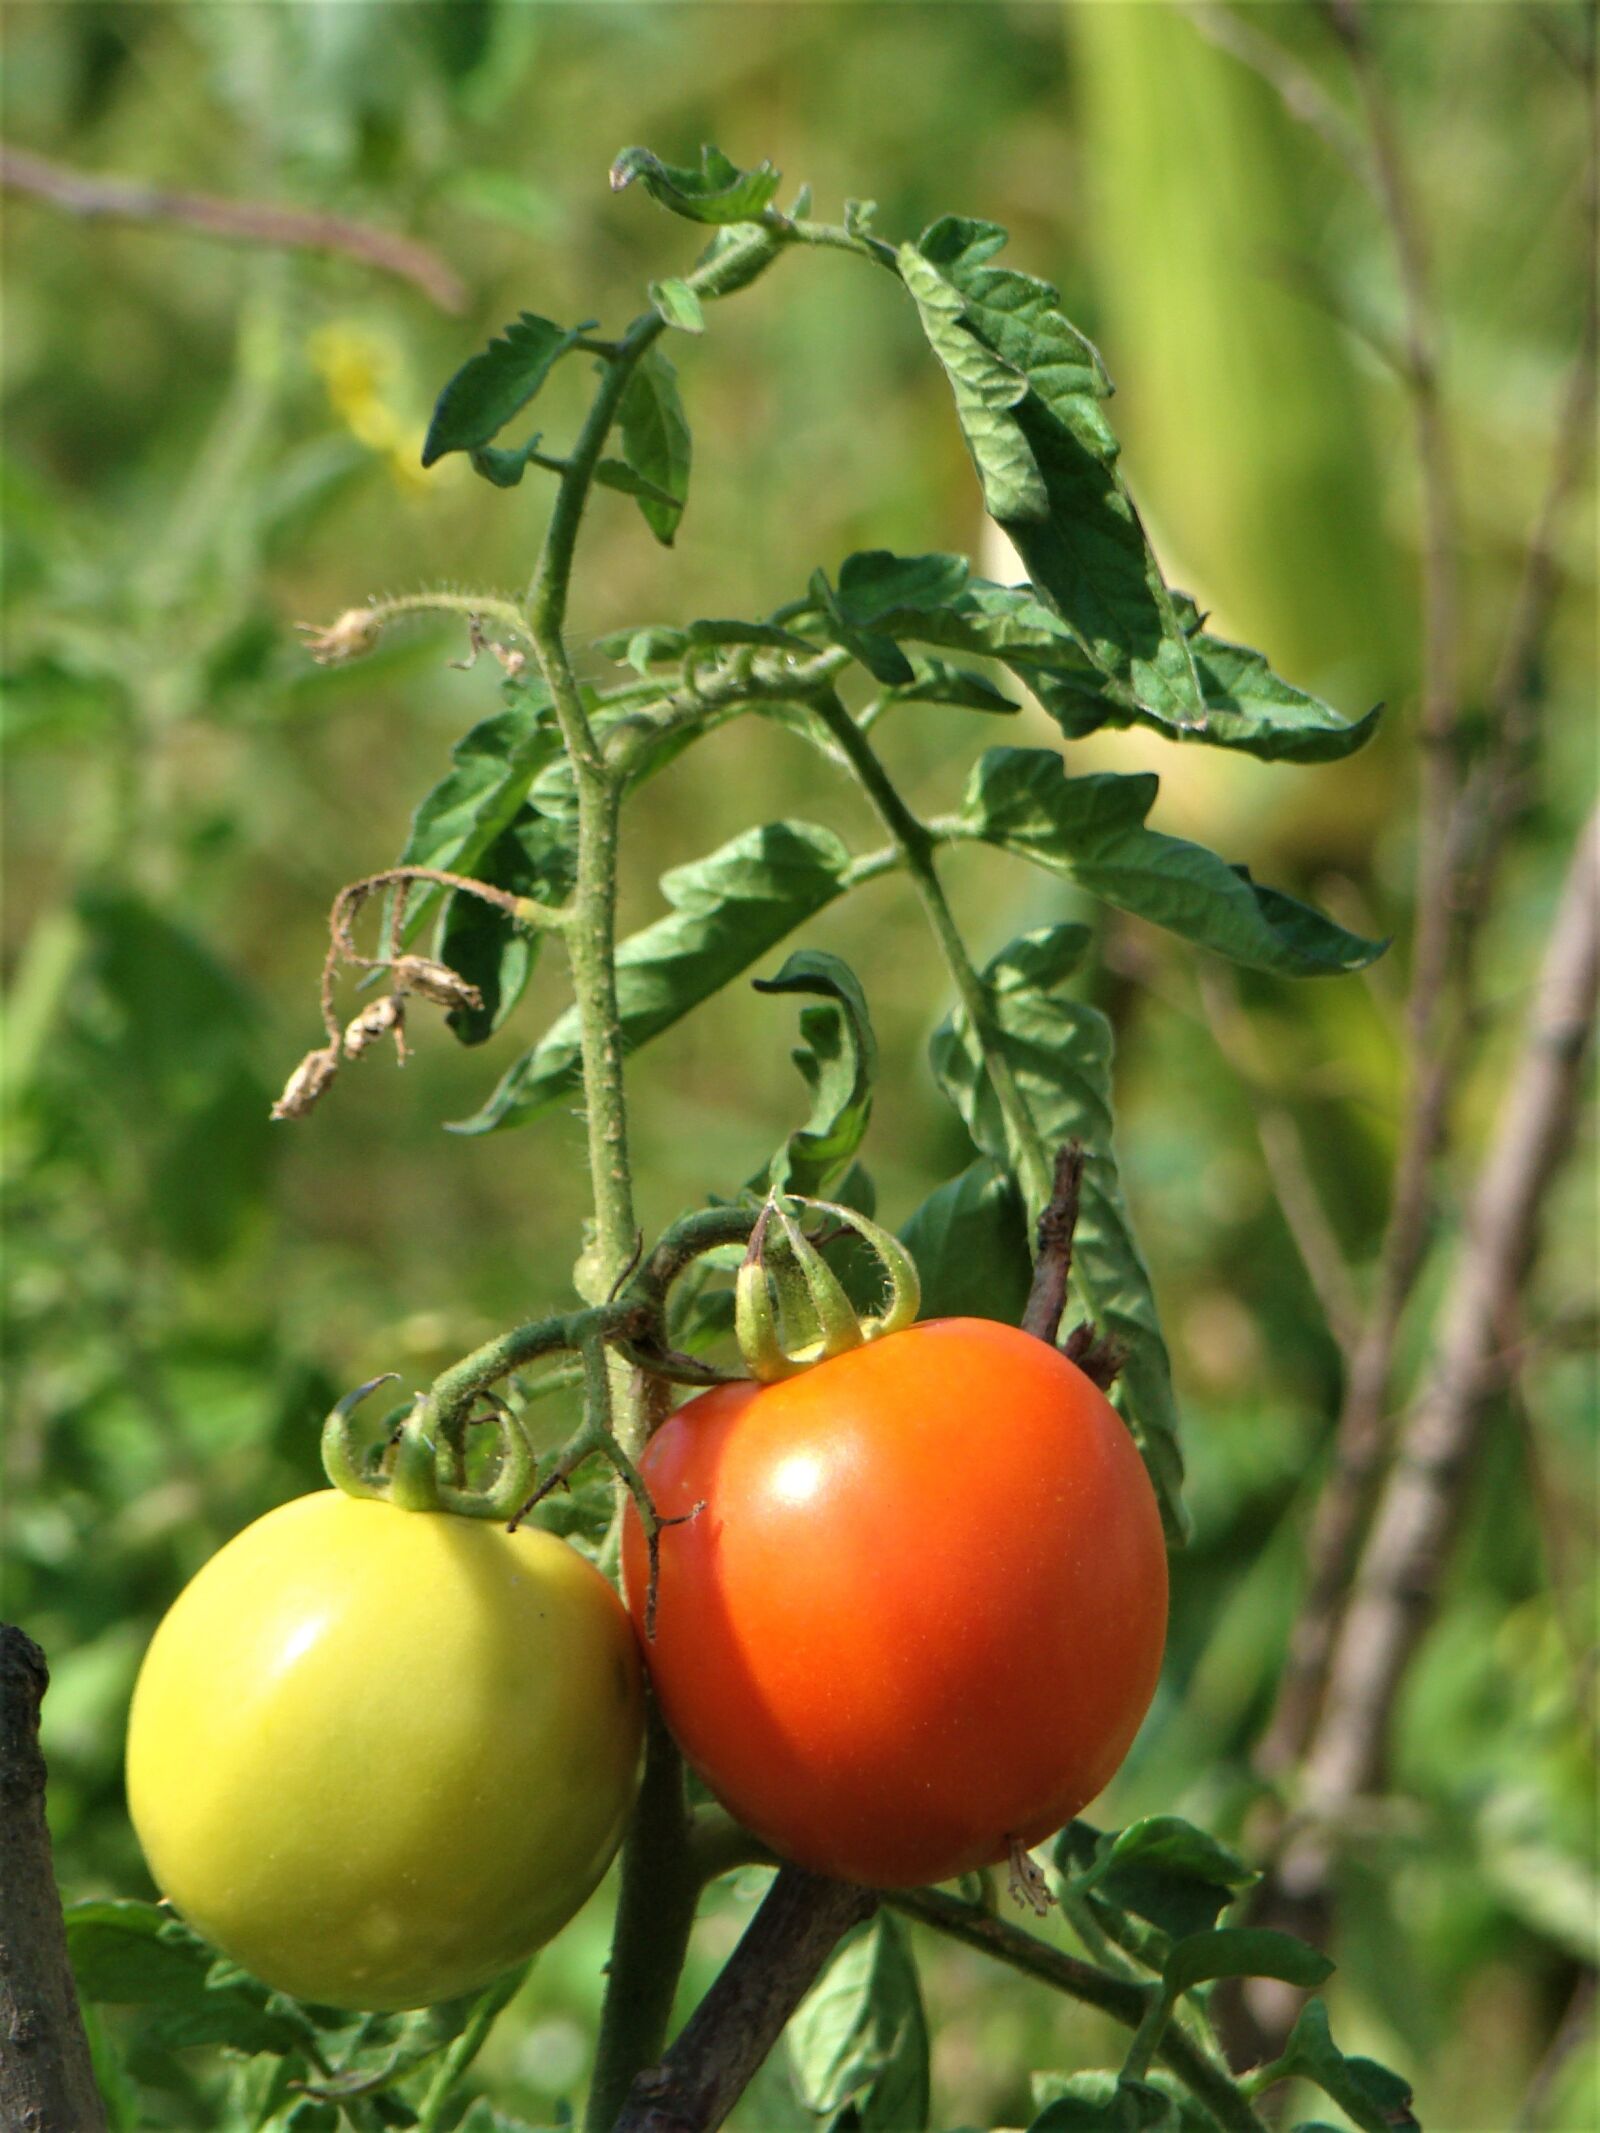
x=920 y=1611
x=379 y=1756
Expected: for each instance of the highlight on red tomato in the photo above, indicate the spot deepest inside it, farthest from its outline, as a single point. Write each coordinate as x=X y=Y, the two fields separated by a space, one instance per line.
x=379 y=1756
x=920 y=1612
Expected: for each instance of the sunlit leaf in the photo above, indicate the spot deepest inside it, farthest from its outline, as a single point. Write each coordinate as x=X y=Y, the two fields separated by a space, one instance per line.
x=1091 y=830
x=858 y=2043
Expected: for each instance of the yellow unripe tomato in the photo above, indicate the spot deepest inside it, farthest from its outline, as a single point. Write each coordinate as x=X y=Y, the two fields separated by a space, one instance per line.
x=379 y=1756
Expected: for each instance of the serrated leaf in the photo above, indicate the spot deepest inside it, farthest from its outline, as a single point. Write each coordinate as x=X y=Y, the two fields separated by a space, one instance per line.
x=1247 y=706
x=858 y=2042
x=986 y=390
x=1170 y=1873
x=678 y=305
x=1376 y=2099
x=1184 y=2113
x=837 y=1058
x=141 y=1954
x=859 y=216
x=655 y=442
x=532 y=856
x=969 y=1239
x=1091 y=830
x=719 y=191
x=728 y=909
x=1244 y=1951
x=1081 y=539
x=1060 y=1056
x=491 y=769
x=490 y=388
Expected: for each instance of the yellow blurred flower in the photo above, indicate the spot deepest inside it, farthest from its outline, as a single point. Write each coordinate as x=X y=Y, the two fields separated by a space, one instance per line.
x=367 y=389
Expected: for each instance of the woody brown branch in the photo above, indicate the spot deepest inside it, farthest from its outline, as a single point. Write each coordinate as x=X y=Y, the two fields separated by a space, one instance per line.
x=1463 y=829
x=725 y=2041
x=1401 y=1564
x=46 y=2079
x=238 y=221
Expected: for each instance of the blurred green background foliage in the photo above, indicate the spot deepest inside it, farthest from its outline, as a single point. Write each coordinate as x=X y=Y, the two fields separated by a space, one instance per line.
x=205 y=444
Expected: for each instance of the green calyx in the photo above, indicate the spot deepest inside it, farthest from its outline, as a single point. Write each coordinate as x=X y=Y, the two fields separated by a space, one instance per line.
x=421 y=1467
x=790 y=1309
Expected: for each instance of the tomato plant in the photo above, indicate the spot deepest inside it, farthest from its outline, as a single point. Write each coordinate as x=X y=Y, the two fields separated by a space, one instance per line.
x=379 y=1756
x=850 y=1646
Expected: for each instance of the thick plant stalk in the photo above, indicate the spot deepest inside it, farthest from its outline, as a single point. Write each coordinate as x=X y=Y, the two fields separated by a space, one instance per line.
x=46 y=2079
x=724 y=2042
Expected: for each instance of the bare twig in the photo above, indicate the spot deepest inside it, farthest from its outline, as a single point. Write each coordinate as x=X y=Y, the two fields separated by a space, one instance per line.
x=726 y=2039
x=1463 y=830
x=1047 y=1299
x=1401 y=1562
x=239 y=221
x=46 y=2079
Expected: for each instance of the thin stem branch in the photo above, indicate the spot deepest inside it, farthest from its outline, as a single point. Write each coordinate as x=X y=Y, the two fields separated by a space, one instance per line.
x=1123 y=1999
x=915 y=844
x=240 y=221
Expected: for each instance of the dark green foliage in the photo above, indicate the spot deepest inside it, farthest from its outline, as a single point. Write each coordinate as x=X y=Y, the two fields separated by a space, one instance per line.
x=859 y=2043
x=837 y=1058
x=490 y=388
x=728 y=909
x=655 y=443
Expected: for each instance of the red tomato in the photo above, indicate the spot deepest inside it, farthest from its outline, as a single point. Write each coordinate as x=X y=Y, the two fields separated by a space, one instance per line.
x=922 y=1610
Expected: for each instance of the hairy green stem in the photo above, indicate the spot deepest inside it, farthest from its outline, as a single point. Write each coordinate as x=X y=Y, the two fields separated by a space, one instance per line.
x=915 y=843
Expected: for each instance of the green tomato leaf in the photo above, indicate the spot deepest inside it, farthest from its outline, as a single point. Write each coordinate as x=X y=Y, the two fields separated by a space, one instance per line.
x=719 y=191
x=655 y=442
x=141 y=1953
x=969 y=1239
x=1247 y=706
x=1047 y=460
x=880 y=655
x=1377 y=2100
x=986 y=391
x=533 y=856
x=728 y=909
x=1103 y=2103
x=1168 y=1872
x=1244 y=1951
x=491 y=769
x=677 y=303
x=627 y=481
x=858 y=2042
x=936 y=682
x=490 y=388
x=1091 y=830
x=837 y=1058
x=1060 y=1054
x=504 y=468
